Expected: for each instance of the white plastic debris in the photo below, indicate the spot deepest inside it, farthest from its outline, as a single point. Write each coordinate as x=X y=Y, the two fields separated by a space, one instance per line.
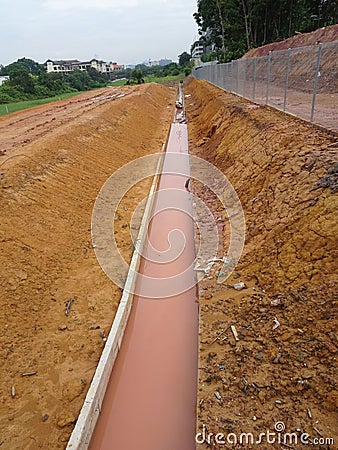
x=275 y=302
x=276 y=323
x=239 y=286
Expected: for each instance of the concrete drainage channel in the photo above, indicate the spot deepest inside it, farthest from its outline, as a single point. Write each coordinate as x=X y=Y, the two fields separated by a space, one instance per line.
x=143 y=394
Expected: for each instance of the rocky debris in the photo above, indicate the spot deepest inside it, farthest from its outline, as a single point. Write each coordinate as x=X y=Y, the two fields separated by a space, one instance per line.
x=73 y=389
x=287 y=373
x=66 y=418
x=329 y=181
x=239 y=286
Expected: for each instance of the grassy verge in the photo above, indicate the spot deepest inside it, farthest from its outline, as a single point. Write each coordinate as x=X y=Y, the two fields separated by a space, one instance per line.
x=165 y=80
x=18 y=106
x=153 y=79
x=118 y=83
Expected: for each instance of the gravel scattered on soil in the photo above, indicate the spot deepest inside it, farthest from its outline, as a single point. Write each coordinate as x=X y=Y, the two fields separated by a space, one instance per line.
x=282 y=366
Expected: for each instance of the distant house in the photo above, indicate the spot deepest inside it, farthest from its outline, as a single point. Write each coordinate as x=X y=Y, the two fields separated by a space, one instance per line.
x=161 y=62
x=68 y=66
x=197 y=51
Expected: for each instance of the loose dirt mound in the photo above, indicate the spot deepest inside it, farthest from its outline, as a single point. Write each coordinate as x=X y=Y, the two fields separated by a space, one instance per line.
x=282 y=367
x=57 y=158
x=326 y=34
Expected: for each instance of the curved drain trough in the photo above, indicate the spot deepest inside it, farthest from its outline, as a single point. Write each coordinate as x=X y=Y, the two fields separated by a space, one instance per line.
x=150 y=400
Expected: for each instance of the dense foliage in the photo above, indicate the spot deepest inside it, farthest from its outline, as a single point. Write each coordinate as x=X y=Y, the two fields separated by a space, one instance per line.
x=141 y=70
x=28 y=80
x=27 y=64
x=235 y=26
x=24 y=85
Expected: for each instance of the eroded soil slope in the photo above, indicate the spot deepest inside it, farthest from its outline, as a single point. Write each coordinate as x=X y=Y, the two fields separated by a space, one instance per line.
x=56 y=158
x=282 y=366
x=324 y=35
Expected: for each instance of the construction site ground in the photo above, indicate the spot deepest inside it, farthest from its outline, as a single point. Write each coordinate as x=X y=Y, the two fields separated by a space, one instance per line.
x=55 y=159
x=281 y=365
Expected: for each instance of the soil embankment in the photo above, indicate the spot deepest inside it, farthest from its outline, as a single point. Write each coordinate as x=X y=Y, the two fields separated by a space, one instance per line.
x=282 y=365
x=323 y=35
x=64 y=152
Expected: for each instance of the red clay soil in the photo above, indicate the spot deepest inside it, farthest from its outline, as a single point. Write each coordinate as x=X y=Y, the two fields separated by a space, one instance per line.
x=323 y=35
x=285 y=173
x=66 y=151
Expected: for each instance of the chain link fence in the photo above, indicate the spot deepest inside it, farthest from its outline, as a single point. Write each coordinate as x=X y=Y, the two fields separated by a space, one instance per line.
x=301 y=81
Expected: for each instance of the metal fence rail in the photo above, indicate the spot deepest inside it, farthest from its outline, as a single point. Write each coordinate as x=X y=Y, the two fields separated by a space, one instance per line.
x=301 y=81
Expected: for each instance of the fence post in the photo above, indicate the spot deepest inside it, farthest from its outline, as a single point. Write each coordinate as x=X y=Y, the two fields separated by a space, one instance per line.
x=244 y=76
x=316 y=81
x=287 y=78
x=232 y=75
x=268 y=80
x=255 y=74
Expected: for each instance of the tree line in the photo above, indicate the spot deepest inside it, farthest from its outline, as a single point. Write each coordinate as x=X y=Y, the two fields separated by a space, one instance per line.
x=233 y=27
x=28 y=80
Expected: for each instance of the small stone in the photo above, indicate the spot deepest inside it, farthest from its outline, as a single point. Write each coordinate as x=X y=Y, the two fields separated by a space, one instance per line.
x=22 y=275
x=45 y=417
x=286 y=336
x=275 y=302
x=65 y=418
x=73 y=389
x=239 y=286
x=261 y=396
x=277 y=358
x=62 y=327
x=259 y=356
x=300 y=356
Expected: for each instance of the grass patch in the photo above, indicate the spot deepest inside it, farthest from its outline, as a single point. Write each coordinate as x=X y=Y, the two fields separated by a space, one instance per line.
x=18 y=106
x=165 y=80
x=154 y=79
x=118 y=83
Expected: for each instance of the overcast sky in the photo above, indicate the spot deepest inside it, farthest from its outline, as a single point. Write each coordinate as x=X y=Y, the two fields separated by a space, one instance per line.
x=126 y=31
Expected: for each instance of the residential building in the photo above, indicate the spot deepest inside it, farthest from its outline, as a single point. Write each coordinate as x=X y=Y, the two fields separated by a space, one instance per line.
x=68 y=66
x=197 y=50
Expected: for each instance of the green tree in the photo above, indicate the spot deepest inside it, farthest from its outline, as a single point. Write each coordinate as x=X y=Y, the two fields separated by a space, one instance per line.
x=137 y=75
x=27 y=64
x=184 y=59
x=22 y=79
x=79 y=80
x=234 y=26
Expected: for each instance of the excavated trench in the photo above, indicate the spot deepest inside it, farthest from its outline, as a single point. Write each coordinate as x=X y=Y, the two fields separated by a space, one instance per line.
x=150 y=401
x=284 y=172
